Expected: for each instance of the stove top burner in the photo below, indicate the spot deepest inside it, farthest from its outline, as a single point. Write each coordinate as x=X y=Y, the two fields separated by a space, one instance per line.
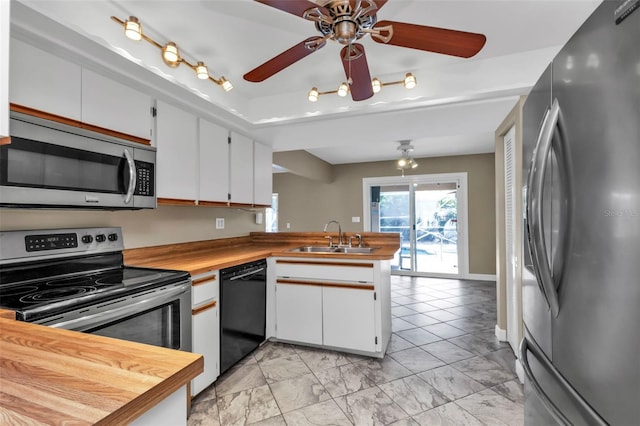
x=55 y=294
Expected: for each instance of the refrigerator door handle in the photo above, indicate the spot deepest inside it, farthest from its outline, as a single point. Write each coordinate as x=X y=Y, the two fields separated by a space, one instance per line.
x=535 y=185
x=527 y=346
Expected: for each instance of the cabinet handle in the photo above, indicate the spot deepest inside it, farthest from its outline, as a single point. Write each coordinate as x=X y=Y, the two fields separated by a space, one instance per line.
x=200 y=281
x=201 y=309
x=326 y=284
x=303 y=262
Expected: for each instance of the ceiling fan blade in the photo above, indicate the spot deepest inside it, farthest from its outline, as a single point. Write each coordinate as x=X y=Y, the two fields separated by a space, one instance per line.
x=378 y=3
x=432 y=39
x=283 y=60
x=295 y=7
x=355 y=66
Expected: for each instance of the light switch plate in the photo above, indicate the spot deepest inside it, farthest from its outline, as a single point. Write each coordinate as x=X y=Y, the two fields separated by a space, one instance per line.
x=219 y=223
x=355 y=219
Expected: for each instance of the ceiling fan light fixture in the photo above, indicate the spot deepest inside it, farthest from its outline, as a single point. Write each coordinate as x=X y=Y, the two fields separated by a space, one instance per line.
x=133 y=29
x=343 y=89
x=313 y=94
x=171 y=55
x=376 y=85
x=410 y=81
x=202 y=71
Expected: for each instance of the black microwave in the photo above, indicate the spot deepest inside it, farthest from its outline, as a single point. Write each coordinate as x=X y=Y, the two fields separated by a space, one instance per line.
x=50 y=164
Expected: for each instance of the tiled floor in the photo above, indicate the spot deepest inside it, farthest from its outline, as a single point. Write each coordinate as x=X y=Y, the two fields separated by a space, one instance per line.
x=444 y=366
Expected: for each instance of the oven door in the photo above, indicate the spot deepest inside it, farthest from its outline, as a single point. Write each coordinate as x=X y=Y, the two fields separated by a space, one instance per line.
x=159 y=317
x=46 y=167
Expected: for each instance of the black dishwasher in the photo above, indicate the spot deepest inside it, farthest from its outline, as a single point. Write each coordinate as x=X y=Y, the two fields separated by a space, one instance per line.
x=243 y=293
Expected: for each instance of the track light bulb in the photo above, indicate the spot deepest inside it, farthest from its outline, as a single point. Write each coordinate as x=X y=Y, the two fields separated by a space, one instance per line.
x=170 y=55
x=133 y=29
x=343 y=89
x=313 y=94
x=226 y=84
x=402 y=162
x=202 y=71
x=410 y=81
x=376 y=85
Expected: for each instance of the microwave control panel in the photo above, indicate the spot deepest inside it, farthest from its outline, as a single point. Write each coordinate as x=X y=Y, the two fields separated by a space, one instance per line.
x=144 y=180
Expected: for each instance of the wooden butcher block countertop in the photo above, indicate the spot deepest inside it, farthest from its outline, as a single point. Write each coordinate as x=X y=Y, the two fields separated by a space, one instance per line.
x=53 y=376
x=204 y=256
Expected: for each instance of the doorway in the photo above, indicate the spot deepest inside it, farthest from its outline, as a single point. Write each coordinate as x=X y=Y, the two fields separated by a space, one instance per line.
x=429 y=213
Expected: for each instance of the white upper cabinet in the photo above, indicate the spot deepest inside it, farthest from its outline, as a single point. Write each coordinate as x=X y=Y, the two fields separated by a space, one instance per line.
x=4 y=68
x=44 y=81
x=176 y=162
x=109 y=104
x=214 y=162
x=241 y=173
x=263 y=177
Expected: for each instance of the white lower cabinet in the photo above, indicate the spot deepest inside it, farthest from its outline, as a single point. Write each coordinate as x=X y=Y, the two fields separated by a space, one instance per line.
x=348 y=318
x=338 y=304
x=299 y=313
x=205 y=328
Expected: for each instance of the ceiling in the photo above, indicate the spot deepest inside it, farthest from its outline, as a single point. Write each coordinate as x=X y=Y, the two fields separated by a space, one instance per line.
x=455 y=108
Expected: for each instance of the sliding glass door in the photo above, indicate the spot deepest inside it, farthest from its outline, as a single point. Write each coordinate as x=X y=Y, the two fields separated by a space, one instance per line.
x=427 y=211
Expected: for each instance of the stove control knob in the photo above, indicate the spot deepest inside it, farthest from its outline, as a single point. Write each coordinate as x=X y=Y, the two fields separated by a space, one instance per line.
x=100 y=238
x=113 y=237
x=87 y=239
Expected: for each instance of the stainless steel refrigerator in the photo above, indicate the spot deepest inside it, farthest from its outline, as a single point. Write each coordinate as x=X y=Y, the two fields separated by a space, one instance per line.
x=581 y=280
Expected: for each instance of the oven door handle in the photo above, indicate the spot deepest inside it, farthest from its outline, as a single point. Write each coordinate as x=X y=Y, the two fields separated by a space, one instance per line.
x=88 y=321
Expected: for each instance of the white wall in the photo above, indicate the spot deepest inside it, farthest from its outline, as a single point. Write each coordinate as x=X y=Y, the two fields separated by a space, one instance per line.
x=141 y=228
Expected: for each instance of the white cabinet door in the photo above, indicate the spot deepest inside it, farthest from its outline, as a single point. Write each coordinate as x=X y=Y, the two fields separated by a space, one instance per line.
x=4 y=67
x=299 y=313
x=241 y=163
x=349 y=318
x=176 y=159
x=43 y=81
x=109 y=104
x=263 y=178
x=206 y=341
x=214 y=162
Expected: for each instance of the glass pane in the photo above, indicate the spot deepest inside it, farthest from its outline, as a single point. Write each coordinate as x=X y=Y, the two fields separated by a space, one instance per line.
x=436 y=228
x=394 y=216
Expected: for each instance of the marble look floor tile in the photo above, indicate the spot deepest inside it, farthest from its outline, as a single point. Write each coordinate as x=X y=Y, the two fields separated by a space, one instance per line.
x=382 y=370
x=399 y=324
x=463 y=311
x=444 y=330
x=447 y=351
x=271 y=421
x=442 y=304
x=397 y=343
x=206 y=395
x=239 y=378
x=449 y=414
x=512 y=390
x=343 y=380
x=320 y=359
x=422 y=307
x=400 y=311
x=324 y=413
x=484 y=370
x=404 y=300
x=248 y=406
x=450 y=382
x=413 y=394
x=493 y=409
x=204 y=414
x=478 y=344
x=420 y=320
x=278 y=369
x=474 y=324
x=504 y=357
x=442 y=315
x=273 y=350
x=370 y=407
x=416 y=359
x=405 y=422
x=299 y=392
x=418 y=336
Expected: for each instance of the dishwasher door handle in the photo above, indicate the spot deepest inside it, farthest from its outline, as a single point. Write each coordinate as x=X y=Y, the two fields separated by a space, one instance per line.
x=253 y=272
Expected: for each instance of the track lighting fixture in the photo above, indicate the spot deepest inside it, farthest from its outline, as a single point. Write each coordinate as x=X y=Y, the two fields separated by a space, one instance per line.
x=409 y=82
x=170 y=52
x=406 y=161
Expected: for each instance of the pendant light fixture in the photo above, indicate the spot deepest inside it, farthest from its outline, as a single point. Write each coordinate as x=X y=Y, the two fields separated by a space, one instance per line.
x=170 y=52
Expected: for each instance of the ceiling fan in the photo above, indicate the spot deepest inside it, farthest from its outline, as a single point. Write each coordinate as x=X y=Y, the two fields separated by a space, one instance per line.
x=347 y=21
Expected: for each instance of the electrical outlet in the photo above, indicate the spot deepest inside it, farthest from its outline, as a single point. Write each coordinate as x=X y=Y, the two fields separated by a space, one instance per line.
x=288 y=225
x=355 y=219
x=219 y=223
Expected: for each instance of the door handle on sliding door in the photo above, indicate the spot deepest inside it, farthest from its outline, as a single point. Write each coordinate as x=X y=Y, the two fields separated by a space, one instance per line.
x=535 y=185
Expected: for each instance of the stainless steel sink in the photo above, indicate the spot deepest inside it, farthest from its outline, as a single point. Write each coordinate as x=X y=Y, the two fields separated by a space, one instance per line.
x=337 y=250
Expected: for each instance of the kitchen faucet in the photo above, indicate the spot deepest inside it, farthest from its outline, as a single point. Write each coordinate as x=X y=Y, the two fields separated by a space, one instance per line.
x=339 y=232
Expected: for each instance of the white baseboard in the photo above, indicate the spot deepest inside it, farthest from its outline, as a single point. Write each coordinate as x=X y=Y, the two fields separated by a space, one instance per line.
x=501 y=334
x=481 y=277
x=519 y=371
